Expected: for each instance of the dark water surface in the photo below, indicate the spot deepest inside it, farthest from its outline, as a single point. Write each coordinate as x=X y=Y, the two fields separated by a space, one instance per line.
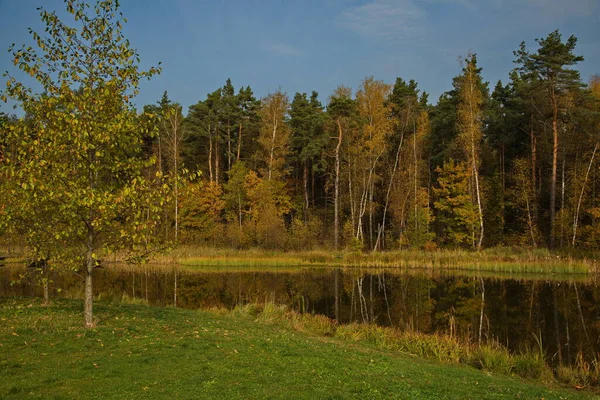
x=562 y=315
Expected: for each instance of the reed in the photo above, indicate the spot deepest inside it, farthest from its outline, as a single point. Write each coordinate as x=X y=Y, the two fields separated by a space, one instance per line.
x=500 y=259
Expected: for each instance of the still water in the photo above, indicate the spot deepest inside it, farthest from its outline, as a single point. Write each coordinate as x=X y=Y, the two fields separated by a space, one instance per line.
x=562 y=315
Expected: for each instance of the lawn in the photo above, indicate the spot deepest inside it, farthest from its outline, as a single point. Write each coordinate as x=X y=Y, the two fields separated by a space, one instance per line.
x=144 y=352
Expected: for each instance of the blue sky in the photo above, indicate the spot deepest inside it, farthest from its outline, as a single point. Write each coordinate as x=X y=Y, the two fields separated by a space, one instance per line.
x=305 y=45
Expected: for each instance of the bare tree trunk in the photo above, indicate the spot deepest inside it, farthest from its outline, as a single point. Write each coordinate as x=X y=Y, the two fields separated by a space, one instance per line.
x=554 y=164
x=533 y=154
x=576 y=217
x=336 y=221
x=416 y=176
x=479 y=207
x=217 y=169
x=239 y=144
x=389 y=189
x=365 y=197
x=228 y=146
x=210 y=153
x=474 y=161
x=371 y=189
x=272 y=152
x=351 y=200
x=305 y=184
x=530 y=220
x=176 y=174
x=562 y=197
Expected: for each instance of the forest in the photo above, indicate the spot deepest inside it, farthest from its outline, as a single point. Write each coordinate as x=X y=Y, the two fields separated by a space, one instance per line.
x=93 y=181
x=381 y=167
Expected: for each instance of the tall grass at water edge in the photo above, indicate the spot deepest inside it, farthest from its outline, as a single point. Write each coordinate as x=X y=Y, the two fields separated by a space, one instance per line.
x=491 y=357
x=500 y=259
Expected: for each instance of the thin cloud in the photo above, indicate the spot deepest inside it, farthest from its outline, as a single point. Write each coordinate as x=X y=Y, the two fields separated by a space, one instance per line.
x=565 y=8
x=387 y=19
x=281 y=49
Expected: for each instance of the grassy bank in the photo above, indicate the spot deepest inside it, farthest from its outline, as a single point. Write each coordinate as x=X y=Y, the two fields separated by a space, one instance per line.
x=511 y=260
x=145 y=352
x=508 y=260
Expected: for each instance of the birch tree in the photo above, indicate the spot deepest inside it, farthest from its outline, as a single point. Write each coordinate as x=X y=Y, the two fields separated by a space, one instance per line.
x=469 y=121
x=274 y=133
x=80 y=157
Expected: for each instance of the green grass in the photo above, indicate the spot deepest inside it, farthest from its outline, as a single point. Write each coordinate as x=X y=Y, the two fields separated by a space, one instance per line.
x=149 y=352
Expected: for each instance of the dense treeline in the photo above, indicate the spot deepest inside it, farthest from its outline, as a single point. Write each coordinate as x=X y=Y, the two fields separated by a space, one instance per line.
x=381 y=168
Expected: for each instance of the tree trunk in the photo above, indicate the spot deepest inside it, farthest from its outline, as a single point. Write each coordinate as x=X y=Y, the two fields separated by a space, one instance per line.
x=176 y=174
x=217 y=171
x=562 y=197
x=474 y=161
x=239 y=144
x=88 y=312
x=554 y=165
x=45 y=283
x=576 y=217
x=275 y=122
x=416 y=176
x=336 y=221
x=387 y=195
x=228 y=146
x=371 y=189
x=210 y=153
x=533 y=153
x=530 y=220
x=305 y=184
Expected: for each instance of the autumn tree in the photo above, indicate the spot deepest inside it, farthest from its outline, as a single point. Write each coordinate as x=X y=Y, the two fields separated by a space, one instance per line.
x=340 y=111
x=274 y=134
x=407 y=188
x=456 y=215
x=201 y=207
x=77 y=175
x=470 y=121
x=368 y=150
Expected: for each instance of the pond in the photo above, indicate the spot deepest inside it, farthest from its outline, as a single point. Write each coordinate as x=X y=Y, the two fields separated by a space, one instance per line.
x=563 y=316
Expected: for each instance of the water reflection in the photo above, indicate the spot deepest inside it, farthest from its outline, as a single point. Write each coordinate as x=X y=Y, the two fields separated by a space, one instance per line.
x=563 y=315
